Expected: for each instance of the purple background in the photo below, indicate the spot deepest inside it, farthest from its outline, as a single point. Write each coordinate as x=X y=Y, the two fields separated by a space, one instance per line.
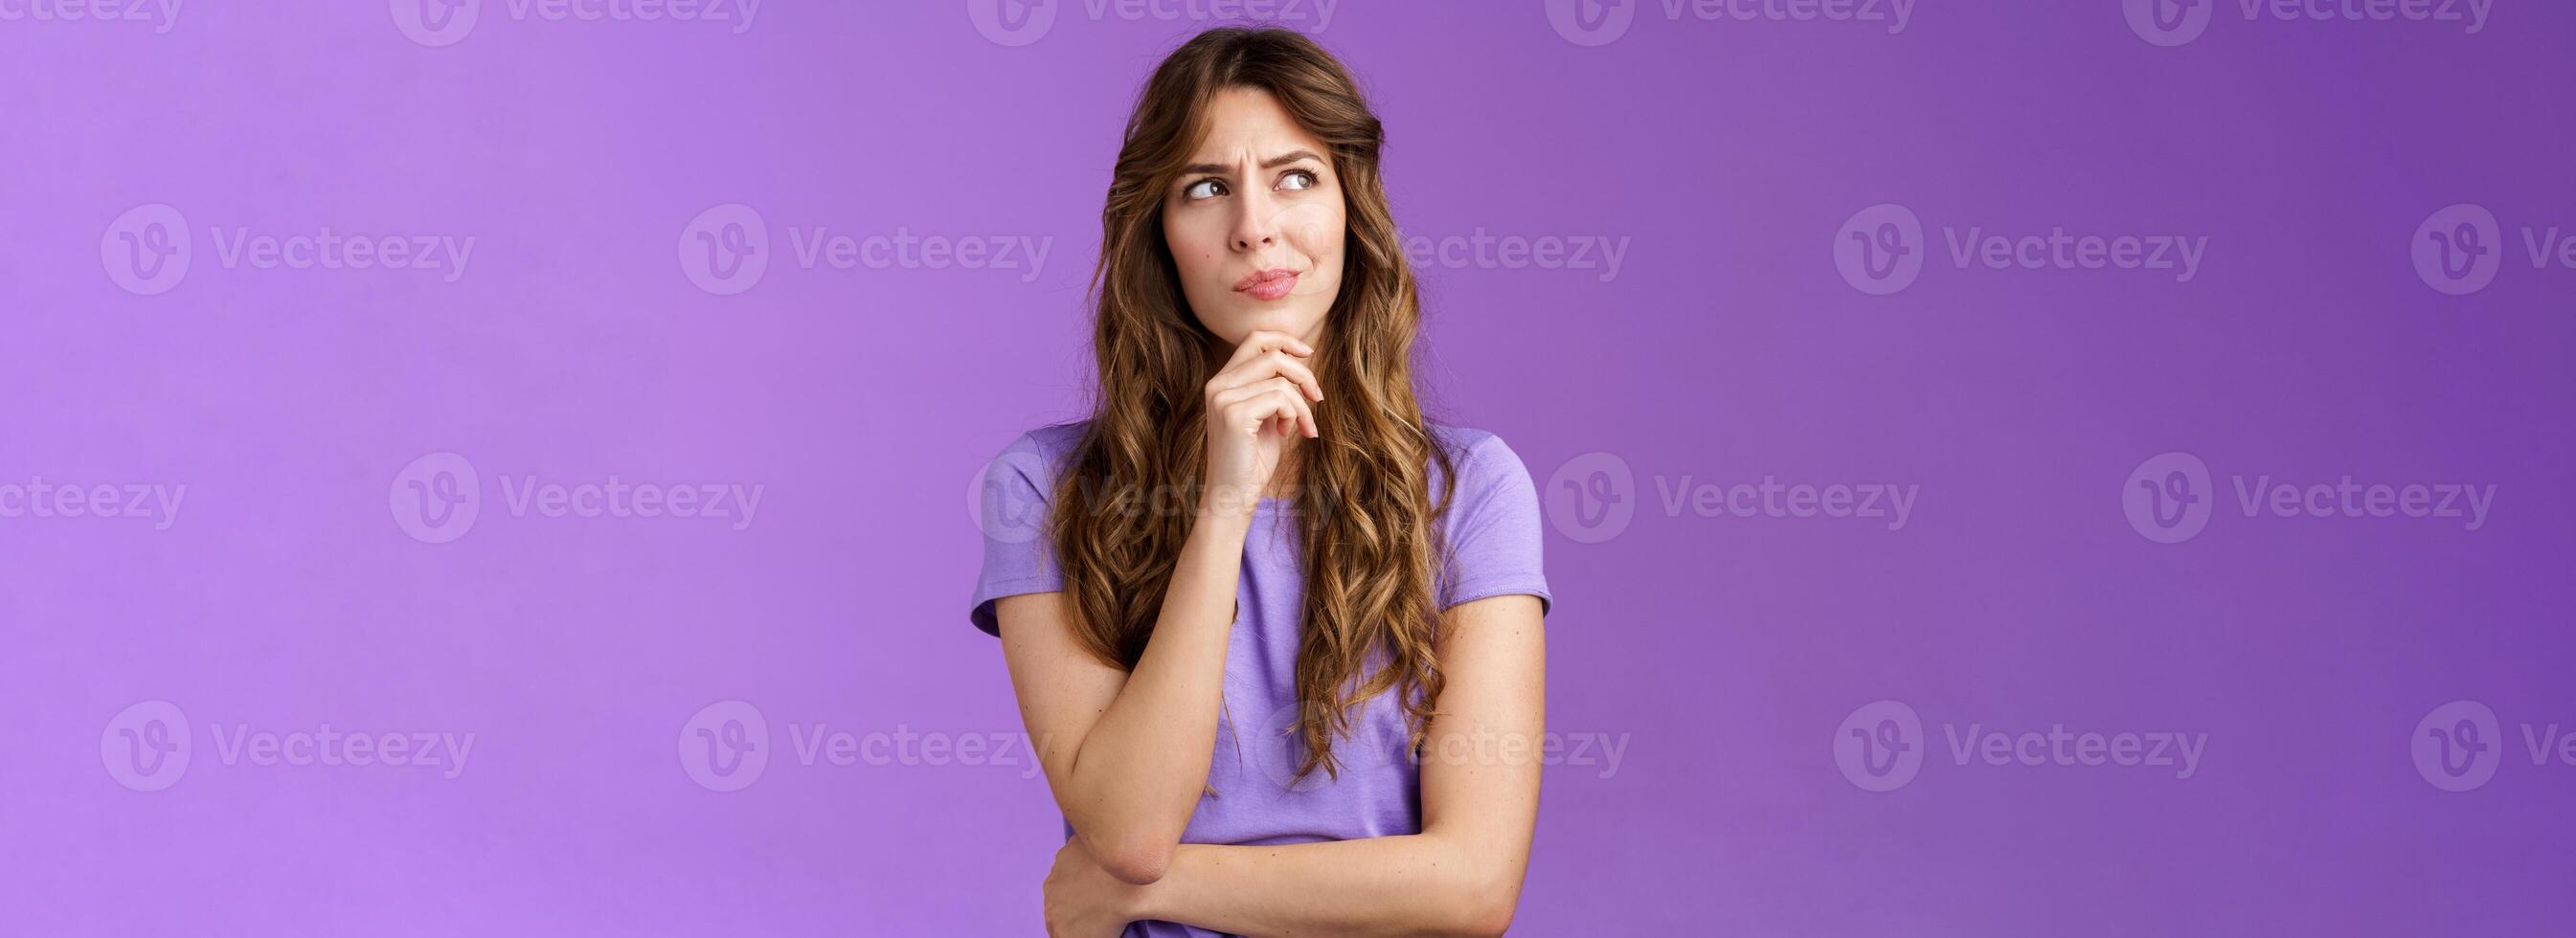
x=1726 y=651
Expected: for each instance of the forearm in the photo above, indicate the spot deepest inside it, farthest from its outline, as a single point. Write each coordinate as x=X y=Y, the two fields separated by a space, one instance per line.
x=1141 y=769
x=1420 y=884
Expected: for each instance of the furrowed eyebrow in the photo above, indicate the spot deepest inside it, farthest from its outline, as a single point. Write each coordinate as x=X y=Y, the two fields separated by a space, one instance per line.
x=1213 y=169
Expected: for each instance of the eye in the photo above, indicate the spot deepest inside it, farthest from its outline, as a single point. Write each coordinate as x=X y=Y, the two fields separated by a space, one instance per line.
x=1202 y=189
x=1300 y=179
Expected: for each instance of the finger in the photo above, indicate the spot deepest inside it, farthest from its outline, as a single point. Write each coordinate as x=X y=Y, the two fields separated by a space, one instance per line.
x=1275 y=363
x=1281 y=364
x=1306 y=415
x=1256 y=406
x=1252 y=361
x=1270 y=399
x=1263 y=341
x=1289 y=409
x=1249 y=390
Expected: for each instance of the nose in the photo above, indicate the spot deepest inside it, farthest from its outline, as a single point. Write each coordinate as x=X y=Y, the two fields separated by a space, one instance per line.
x=1254 y=226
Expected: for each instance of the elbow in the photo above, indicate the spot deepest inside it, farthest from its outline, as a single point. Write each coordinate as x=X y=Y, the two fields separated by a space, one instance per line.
x=1140 y=869
x=1485 y=920
x=1487 y=901
x=1138 y=861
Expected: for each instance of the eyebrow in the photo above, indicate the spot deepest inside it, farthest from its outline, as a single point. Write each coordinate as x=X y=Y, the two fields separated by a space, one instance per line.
x=1283 y=159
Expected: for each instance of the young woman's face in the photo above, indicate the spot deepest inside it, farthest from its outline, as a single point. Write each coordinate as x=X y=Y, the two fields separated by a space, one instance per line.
x=1255 y=224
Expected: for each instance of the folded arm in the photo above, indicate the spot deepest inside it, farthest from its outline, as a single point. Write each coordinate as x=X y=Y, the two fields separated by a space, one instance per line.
x=1127 y=753
x=1480 y=782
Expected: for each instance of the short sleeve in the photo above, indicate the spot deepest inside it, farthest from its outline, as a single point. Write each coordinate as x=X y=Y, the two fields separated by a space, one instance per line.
x=1011 y=513
x=1492 y=528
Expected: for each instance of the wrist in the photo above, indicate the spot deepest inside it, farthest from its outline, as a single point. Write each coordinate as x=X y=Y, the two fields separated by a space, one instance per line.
x=1158 y=900
x=1229 y=502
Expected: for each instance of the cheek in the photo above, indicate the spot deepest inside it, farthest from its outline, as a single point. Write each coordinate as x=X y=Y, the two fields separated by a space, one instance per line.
x=1195 y=251
x=1312 y=228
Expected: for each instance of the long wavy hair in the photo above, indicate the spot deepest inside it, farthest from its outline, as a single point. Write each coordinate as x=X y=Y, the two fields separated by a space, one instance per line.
x=1366 y=513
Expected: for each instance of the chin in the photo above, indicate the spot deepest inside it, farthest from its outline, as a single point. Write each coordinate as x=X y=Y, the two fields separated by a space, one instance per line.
x=1235 y=324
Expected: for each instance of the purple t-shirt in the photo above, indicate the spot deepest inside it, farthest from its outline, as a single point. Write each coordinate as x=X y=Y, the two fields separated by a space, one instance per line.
x=1492 y=538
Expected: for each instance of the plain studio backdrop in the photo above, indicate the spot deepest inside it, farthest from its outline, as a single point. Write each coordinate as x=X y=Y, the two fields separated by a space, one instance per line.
x=2012 y=468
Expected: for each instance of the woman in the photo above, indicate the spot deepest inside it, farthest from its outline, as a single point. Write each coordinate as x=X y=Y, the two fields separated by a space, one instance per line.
x=1259 y=568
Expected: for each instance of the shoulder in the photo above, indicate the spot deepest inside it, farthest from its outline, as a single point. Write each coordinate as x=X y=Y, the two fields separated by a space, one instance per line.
x=1481 y=459
x=1028 y=467
x=1041 y=450
x=1055 y=439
